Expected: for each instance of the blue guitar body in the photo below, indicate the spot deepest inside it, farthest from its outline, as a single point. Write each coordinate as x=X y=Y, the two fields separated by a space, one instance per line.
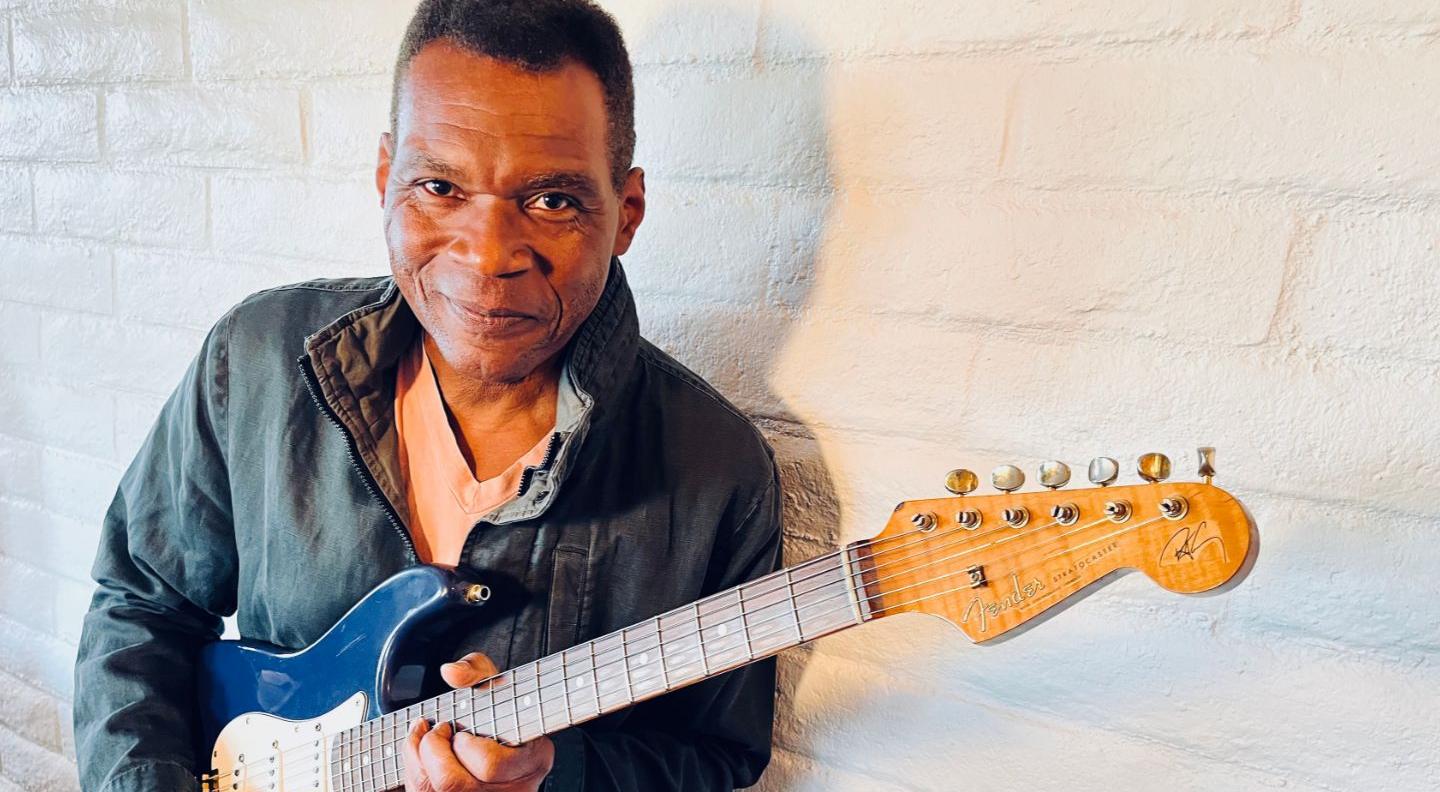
x=382 y=656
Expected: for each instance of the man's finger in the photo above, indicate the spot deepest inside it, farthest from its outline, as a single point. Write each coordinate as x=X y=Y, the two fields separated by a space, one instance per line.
x=468 y=670
x=414 y=772
x=442 y=770
x=494 y=763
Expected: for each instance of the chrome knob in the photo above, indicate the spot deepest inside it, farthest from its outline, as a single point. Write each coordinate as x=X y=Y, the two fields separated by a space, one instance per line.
x=1104 y=471
x=1118 y=511
x=1016 y=517
x=1153 y=467
x=1007 y=478
x=1065 y=513
x=1207 y=462
x=1054 y=474
x=961 y=481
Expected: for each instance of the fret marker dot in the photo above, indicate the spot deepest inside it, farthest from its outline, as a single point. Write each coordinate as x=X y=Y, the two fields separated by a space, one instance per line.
x=723 y=630
x=526 y=701
x=643 y=658
x=579 y=683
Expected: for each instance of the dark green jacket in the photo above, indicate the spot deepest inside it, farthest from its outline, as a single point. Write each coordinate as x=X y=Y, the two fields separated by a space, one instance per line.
x=269 y=488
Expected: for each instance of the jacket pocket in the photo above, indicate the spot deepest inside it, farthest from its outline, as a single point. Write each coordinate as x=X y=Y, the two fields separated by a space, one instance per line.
x=568 y=598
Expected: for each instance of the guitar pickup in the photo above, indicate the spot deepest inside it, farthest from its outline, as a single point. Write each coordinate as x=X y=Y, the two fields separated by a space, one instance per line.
x=977 y=576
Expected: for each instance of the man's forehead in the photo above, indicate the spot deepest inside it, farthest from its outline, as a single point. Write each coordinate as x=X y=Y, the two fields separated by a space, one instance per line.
x=451 y=92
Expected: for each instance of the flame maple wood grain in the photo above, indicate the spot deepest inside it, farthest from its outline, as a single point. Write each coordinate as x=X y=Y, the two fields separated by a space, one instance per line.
x=994 y=578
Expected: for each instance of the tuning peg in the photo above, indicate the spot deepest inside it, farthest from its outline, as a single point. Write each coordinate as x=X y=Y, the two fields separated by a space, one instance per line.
x=1104 y=471
x=1153 y=467
x=1207 y=462
x=1054 y=474
x=961 y=481
x=1007 y=478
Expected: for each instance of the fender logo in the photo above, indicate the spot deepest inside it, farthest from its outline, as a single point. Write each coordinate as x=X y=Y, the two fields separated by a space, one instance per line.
x=1187 y=542
x=991 y=610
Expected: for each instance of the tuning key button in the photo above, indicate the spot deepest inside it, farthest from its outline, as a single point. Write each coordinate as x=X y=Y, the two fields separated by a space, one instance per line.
x=1104 y=471
x=925 y=521
x=1054 y=474
x=1007 y=478
x=1154 y=467
x=1207 y=462
x=961 y=481
x=1016 y=517
x=1174 y=508
x=1117 y=510
x=968 y=519
x=1065 y=513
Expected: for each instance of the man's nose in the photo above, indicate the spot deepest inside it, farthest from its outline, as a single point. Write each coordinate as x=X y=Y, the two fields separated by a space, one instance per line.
x=487 y=237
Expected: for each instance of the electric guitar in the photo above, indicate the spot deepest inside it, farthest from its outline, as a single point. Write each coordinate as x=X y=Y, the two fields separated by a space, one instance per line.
x=335 y=715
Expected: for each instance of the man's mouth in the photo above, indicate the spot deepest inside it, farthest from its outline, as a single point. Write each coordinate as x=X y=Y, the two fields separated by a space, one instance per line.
x=491 y=319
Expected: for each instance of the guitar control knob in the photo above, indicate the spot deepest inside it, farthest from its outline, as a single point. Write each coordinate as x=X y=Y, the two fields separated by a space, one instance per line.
x=961 y=481
x=1007 y=478
x=1104 y=471
x=1054 y=474
x=1153 y=467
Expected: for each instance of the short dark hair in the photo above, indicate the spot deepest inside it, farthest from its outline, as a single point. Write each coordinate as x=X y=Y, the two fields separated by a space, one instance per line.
x=538 y=35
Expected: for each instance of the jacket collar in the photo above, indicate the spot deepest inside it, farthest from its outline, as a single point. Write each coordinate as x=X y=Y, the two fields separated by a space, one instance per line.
x=354 y=359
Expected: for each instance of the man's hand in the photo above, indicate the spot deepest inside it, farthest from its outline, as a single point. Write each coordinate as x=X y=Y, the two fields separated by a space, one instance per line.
x=439 y=760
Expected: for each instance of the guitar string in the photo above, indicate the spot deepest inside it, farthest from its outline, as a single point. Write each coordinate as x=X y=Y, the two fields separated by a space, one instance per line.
x=514 y=690
x=740 y=602
x=541 y=720
x=512 y=687
x=370 y=765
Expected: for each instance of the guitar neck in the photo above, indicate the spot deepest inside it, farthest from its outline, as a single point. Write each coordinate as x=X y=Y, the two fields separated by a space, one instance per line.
x=684 y=646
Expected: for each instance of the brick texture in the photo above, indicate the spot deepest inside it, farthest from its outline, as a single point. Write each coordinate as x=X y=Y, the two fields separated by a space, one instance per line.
x=904 y=236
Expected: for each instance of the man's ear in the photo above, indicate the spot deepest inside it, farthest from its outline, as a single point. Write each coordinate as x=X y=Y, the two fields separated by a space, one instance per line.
x=632 y=210
x=382 y=165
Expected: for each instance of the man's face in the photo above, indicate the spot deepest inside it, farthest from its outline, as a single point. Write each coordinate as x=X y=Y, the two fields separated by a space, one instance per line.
x=499 y=209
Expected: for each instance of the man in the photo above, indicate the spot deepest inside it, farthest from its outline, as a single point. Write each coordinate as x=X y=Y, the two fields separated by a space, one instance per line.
x=491 y=405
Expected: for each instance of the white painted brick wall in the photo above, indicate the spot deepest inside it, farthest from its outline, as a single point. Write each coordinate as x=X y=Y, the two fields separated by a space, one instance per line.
x=905 y=236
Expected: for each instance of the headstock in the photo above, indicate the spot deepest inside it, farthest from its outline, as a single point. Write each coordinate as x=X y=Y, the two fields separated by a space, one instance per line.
x=991 y=563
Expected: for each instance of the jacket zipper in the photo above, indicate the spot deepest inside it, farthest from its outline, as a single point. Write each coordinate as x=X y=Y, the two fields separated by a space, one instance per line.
x=312 y=383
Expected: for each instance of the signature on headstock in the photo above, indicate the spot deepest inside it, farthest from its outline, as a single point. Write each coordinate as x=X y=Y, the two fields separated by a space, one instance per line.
x=1188 y=542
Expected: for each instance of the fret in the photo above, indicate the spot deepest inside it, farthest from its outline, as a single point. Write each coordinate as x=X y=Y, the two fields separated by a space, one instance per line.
x=612 y=683
x=700 y=639
x=723 y=629
x=854 y=585
x=769 y=615
x=565 y=689
x=794 y=613
x=515 y=706
x=594 y=678
x=821 y=598
x=641 y=656
x=490 y=693
x=550 y=689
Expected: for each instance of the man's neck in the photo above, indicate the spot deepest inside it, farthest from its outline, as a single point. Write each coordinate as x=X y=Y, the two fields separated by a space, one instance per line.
x=495 y=423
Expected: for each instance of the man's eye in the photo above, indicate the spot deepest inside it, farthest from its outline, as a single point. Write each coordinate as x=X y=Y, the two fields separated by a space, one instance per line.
x=553 y=202
x=440 y=187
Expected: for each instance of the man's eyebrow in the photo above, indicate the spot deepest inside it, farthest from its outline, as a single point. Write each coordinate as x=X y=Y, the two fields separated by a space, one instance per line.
x=421 y=160
x=560 y=180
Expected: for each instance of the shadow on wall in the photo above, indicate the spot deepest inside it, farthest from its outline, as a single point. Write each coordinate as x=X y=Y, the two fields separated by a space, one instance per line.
x=738 y=176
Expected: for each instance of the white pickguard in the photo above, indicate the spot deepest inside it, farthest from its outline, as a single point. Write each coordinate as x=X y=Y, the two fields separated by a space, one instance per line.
x=262 y=753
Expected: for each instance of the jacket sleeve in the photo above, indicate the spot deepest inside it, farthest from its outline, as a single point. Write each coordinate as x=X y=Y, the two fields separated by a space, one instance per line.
x=166 y=571
x=713 y=736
